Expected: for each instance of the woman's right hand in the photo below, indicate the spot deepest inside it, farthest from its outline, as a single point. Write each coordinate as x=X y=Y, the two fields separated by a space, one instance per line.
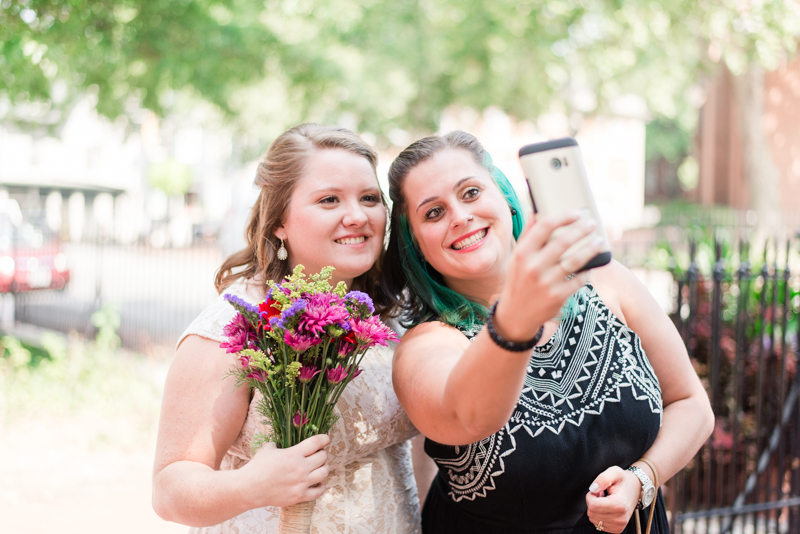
x=282 y=477
x=537 y=284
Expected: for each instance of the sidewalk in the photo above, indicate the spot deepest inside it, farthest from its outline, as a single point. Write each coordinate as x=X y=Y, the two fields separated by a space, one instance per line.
x=81 y=474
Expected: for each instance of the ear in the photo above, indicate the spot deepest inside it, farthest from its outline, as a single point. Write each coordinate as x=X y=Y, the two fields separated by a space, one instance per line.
x=279 y=232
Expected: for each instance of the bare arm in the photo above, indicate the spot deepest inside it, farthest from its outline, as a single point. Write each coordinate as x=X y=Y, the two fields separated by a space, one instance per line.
x=457 y=392
x=687 y=419
x=201 y=416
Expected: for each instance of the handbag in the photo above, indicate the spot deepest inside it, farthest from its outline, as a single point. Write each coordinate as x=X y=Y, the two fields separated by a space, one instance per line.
x=652 y=505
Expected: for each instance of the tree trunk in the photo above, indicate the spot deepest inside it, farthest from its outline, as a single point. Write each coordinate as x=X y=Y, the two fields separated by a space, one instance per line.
x=760 y=173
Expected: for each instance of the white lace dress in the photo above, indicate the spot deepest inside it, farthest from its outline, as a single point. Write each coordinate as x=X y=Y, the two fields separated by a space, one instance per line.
x=371 y=487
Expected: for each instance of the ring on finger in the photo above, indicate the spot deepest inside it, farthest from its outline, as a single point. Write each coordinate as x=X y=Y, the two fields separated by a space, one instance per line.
x=568 y=273
x=599 y=526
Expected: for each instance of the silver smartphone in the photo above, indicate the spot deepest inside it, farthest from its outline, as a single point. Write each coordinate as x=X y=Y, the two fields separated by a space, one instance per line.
x=558 y=183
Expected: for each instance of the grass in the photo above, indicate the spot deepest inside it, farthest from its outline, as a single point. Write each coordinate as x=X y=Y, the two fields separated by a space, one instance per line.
x=68 y=378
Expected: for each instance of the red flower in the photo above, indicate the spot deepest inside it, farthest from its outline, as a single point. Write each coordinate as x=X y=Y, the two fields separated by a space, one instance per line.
x=269 y=309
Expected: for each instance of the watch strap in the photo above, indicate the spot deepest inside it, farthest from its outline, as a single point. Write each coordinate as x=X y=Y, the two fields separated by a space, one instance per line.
x=646 y=484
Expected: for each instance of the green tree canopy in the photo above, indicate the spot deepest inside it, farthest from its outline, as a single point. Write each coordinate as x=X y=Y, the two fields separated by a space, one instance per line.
x=384 y=65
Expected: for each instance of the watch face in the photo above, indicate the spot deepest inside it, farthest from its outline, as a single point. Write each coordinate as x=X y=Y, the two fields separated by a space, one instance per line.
x=649 y=495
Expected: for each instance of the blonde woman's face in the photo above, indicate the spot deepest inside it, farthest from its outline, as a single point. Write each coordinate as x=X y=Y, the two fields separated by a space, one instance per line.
x=335 y=216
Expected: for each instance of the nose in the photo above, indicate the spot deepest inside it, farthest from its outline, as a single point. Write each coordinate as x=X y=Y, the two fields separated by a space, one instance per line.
x=460 y=217
x=355 y=216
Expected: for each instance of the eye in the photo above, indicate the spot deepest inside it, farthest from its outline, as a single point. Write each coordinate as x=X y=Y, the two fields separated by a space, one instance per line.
x=371 y=199
x=471 y=193
x=433 y=213
x=329 y=200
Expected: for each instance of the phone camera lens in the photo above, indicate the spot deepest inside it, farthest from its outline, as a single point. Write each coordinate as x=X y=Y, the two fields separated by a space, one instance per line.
x=555 y=163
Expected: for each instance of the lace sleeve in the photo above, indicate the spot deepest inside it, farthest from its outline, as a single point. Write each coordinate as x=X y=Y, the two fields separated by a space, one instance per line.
x=370 y=416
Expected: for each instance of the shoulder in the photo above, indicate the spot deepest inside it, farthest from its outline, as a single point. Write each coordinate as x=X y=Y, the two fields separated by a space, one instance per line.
x=433 y=337
x=611 y=282
x=211 y=321
x=434 y=330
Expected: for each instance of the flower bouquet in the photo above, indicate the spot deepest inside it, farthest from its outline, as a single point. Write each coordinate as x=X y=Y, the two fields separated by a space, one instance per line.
x=300 y=348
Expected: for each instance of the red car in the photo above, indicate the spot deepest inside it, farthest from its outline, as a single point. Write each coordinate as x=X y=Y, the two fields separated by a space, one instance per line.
x=30 y=258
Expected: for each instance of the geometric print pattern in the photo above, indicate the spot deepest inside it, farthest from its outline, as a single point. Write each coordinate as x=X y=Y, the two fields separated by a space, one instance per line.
x=592 y=359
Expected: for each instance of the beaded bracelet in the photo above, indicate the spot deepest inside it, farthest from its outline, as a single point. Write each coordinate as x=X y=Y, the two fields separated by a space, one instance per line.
x=512 y=346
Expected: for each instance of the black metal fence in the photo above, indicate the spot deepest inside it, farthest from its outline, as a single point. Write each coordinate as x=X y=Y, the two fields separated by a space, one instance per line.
x=154 y=292
x=740 y=325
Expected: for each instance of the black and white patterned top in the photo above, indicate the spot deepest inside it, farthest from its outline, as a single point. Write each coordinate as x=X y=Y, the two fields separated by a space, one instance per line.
x=590 y=400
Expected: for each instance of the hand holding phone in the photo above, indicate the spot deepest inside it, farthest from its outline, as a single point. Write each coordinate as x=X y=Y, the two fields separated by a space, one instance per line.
x=558 y=183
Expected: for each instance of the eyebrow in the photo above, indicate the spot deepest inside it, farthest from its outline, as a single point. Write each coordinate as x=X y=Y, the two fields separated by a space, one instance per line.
x=334 y=189
x=458 y=184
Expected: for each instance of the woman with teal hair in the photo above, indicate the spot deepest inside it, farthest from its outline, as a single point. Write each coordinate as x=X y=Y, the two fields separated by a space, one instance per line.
x=550 y=403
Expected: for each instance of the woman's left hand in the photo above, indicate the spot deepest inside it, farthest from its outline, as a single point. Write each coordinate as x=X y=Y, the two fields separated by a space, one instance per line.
x=612 y=499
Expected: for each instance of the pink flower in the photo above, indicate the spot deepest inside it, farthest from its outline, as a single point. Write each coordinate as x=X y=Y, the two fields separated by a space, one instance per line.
x=238 y=333
x=337 y=374
x=261 y=376
x=359 y=370
x=307 y=373
x=299 y=419
x=300 y=342
x=345 y=348
x=372 y=332
x=324 y=309
x=244 y=360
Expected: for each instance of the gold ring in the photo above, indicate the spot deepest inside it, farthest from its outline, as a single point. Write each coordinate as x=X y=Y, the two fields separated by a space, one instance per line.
x=599 y=526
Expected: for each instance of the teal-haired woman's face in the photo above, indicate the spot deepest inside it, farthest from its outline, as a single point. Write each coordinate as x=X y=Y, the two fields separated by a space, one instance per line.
x=459 y=217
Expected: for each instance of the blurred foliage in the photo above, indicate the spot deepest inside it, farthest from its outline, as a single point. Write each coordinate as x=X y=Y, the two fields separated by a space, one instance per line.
x=62 y=376
x=381 y=66
x=170 y=176
x=667 y=139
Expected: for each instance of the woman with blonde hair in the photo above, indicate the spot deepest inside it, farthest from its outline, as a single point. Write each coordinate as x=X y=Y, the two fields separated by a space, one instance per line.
x=320 y=204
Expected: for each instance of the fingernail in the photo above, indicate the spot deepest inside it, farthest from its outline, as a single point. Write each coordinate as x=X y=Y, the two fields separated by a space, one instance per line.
x=594 y=487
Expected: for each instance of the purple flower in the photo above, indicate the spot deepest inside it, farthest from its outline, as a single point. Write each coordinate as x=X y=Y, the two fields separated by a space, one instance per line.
x=362 y=300
x=236 y=301
x=323 y=310
x=275 y=322
x=297 y=307
x=299 y=419
x=336 y=374
x=307 y=373
x=372 y=332
x=300 y=342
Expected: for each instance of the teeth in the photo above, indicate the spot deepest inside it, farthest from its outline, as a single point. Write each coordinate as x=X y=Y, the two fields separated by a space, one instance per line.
x=351 y=240
x=471 y=240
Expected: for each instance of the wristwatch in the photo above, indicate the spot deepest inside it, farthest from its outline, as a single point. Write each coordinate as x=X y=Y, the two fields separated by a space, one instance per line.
x=648 y=489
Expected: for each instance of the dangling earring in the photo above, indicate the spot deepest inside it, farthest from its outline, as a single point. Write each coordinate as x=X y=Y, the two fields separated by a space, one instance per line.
x=282 y=252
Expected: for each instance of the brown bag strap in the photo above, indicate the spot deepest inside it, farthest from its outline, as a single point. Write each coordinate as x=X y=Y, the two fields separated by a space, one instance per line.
x=653 y=504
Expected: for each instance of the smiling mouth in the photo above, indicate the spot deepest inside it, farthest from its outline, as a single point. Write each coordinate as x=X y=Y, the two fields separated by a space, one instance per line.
x=469 y=241
x=351 y=240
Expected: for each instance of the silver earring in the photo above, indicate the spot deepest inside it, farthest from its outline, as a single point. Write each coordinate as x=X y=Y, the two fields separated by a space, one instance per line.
x=282 y=252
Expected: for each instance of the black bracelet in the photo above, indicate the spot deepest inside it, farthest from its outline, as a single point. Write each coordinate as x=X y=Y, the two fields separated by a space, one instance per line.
x=504 y=344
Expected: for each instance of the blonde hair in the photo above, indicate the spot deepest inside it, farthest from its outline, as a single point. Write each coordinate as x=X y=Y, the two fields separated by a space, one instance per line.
x=277 y=176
